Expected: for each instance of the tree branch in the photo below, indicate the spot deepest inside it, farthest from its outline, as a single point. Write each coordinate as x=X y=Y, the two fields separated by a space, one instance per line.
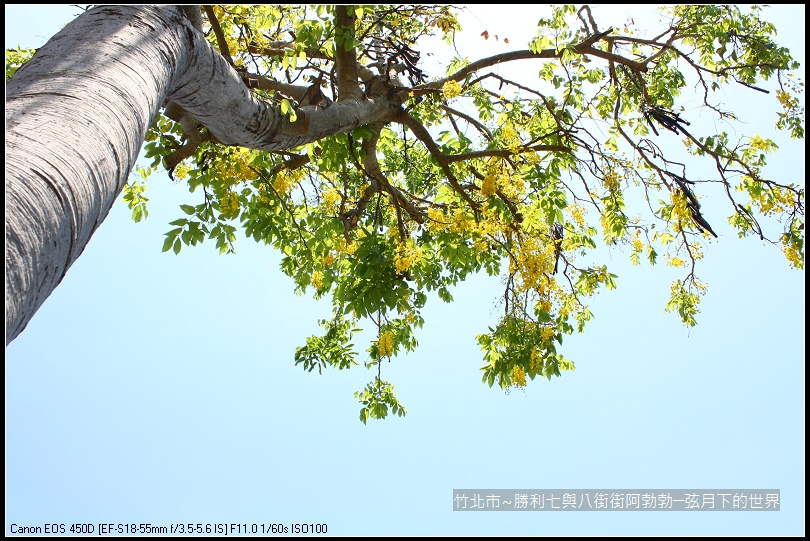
x=423 y=135
x=346 y=60
x=221 y=41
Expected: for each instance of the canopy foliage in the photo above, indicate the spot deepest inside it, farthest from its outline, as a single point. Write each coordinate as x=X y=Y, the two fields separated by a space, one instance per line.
x=480 y=172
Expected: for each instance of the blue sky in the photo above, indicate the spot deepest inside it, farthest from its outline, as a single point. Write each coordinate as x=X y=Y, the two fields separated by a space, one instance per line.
x=153 y=388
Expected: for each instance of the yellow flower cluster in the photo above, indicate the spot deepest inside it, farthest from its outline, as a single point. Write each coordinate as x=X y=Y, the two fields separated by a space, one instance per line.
x=490 y=223
x=513 y=186
x=385 y=344
x=532 y=262
x=283 y=183
x=536 y=363
x=181 y=171
x=511 y=138
x=775 y=200
x=680 y=210
x=331 y=197
x=759 y=143
x=786 y=99
x=675 y=262
x=344 y=247
x=547 y=333
x=229 y=203
x=638 y=245
x=567 y=307
x=317 y=280
x=328 y=259
x=603 y=221
x=451 y=89
x=545 y=306
x=519 y=376
x=236 y=168
x=407 y=255
x=793 y=255
x=461 y=222
x=577 y=213
x=488 y=186
x=611 y=180
x=436 y=219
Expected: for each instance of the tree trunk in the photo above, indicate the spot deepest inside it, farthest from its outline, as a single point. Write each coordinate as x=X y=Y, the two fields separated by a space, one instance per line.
x=77 y=114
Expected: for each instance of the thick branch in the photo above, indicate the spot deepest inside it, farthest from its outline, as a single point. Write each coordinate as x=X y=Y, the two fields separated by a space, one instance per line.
x=372 y=169
x=346 y=60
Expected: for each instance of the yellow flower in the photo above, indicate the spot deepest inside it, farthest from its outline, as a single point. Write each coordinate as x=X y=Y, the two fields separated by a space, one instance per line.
x=758 y=142
x=533 y=261
x=547 y=333
x=519 y=376
x=327 y=260
x=317 y=280
x=513 y=186
x=785 y=99
x=229 y=203
x=637 y=244
x=451 y=89
x=488 y=186
x=345 y=247
x=512 y=138
x=385 y=344
x=578 y=214
x=536 y=364
x=436 y=218
x=461 y=222
x=330 y=197
x=793 y=254
x=406 y=256
x=181 y=171
x=680 y=209
x=611 y=180
x=283 y=183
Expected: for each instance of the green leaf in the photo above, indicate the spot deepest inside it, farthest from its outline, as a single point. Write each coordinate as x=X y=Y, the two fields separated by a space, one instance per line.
x=167 y=244
x=138 y=213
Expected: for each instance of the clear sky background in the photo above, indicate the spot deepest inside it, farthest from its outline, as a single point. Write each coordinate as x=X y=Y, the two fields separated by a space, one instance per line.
x=154 y=388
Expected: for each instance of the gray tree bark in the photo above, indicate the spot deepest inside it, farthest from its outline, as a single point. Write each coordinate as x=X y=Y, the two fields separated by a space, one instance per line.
x=76 y=117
